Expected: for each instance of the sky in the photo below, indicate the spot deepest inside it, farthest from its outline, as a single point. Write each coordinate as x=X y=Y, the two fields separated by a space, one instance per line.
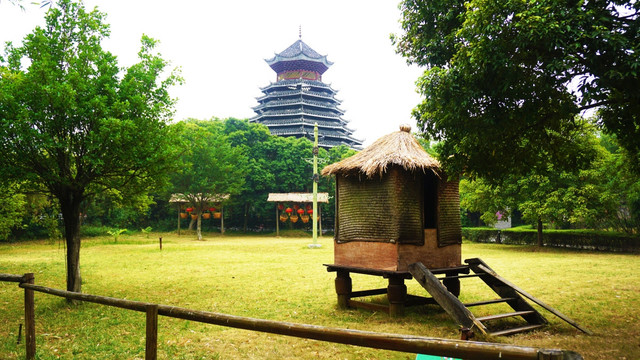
x=221 y=47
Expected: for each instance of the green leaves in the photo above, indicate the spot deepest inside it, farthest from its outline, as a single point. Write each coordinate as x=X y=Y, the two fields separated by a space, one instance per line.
x=71 y=123
x=209 y=163
x=506 y=79
x=604 y=195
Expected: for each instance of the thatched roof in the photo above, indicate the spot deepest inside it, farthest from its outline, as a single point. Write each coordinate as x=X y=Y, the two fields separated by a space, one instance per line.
x=323 y=197
x=398 y=148
x=183 y=199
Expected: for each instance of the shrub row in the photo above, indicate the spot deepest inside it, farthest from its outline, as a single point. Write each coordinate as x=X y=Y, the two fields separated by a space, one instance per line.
x=578 y=239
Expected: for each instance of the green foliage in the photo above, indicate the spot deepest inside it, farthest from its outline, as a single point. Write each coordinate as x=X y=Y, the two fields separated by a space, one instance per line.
x=94 y=230
x=12 y=205
x=116 y=233
x=603 y=195
x=275 y=165
x=84 y=127
x=210 y=166
x=578 y=239
x=497 y=87
x=146 y=231
x=74 y=125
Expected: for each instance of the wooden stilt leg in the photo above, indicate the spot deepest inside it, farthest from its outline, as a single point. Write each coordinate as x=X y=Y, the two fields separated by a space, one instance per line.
x=343 y=288
x=397 y=295
x=453 y=285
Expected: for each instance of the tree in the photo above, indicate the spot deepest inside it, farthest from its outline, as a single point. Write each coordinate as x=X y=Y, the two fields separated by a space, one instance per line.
x=603 y=196
x=618 y=188
x=72 y=124
x=211 y=167
x=254 y=139
x=12 y=204
x=506 y=79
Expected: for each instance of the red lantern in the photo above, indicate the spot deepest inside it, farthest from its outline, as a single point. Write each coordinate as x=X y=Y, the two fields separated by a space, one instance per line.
x=212 y=209
x=310 y=211
x=308 y=206
x=300 y=211
x=280 y=207
x=189 y=209
x=289 y=210
x=296 y=206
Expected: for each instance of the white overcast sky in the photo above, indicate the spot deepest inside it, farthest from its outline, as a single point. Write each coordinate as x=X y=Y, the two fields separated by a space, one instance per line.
x=221 y=47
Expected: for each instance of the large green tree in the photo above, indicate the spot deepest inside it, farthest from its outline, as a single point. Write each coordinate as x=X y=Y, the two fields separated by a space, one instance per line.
x=74 y=124
x=210 y=167
x=277 y=164
x=603 y=196
x=505 y=79
x=259 y=179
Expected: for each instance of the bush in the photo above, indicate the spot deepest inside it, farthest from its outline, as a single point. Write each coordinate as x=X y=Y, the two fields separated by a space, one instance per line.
x=579 y=239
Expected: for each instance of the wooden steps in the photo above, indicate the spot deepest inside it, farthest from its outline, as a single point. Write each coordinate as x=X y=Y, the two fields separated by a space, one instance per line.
x=525 y=317
x=516 y=330
x=488 y=302
x=505 y=315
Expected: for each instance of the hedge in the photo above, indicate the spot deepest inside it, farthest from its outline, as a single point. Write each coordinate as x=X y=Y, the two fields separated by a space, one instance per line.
x=577 y=239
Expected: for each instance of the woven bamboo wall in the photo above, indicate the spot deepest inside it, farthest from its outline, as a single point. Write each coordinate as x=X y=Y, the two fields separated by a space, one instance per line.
x=387 y=209
x=449 y=226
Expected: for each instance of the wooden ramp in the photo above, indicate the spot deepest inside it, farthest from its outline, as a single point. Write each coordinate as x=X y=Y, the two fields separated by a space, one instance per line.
x=529 y=317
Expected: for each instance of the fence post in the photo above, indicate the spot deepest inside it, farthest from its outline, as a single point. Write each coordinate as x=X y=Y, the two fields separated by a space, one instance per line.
x=151 y=350
x=29 y=318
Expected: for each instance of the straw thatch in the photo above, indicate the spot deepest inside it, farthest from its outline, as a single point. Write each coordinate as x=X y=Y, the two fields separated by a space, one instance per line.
x=398 y=148
x=322 y=197
x=184 y=199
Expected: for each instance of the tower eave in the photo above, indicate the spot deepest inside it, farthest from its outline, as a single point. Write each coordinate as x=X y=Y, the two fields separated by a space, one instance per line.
x=298 y=63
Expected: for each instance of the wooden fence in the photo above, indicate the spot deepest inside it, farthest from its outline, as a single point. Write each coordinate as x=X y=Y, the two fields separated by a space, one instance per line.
x=396 y=342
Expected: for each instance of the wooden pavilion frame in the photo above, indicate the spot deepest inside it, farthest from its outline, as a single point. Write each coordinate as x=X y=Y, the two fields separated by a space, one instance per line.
x=181 y=200
x=302 y=198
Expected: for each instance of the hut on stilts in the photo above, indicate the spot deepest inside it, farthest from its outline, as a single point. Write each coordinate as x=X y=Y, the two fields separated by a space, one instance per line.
x=398 y=216
x=394 y=207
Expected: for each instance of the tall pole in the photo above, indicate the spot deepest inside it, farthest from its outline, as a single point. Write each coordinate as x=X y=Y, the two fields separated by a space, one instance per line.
x=314 y=216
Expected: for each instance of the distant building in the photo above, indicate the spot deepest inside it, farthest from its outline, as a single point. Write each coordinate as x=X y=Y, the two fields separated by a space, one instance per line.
x=504 y=222
x=299 y=99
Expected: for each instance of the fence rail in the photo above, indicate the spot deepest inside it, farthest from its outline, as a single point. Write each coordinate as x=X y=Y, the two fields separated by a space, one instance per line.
x=12 y=278
x=385 y=341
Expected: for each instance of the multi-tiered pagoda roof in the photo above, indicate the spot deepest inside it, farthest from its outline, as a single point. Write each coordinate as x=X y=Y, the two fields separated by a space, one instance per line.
x=299 y=99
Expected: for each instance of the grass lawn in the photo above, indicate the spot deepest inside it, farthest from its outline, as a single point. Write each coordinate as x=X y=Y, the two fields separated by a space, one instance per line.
x=281 y=279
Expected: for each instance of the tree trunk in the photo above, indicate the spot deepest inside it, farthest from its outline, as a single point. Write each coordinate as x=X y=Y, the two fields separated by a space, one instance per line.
x=540 y=242
x=199 y=227
x=70 y=207
x=246 y=217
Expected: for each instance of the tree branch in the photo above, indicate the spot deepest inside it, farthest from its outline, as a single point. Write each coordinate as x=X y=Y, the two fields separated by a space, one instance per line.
x=594 y=105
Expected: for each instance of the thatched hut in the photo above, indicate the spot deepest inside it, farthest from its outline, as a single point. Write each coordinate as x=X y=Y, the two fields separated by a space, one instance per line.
x=395 y=206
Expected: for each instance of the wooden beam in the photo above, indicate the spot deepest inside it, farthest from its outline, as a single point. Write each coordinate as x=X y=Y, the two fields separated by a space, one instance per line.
x=445 y=299
x=469 y=350
x=12 y=278
x=277 y=220
x=506 y=291
x=371 y=292
x=29 y=318
x=535 y=300
x=151 y=345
